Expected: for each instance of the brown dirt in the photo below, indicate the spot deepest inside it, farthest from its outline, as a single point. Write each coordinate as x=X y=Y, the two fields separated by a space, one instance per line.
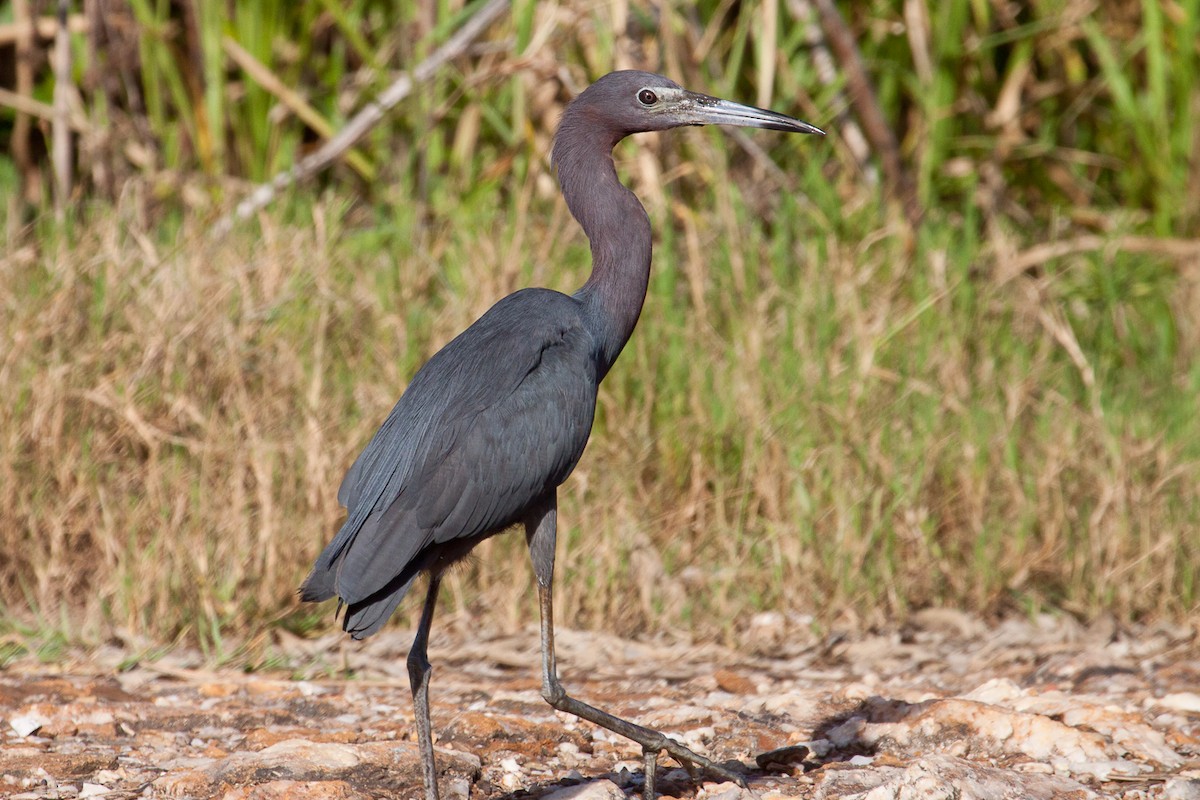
x=947 y=707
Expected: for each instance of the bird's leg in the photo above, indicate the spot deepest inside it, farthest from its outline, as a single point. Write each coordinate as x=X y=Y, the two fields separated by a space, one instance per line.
x=540 y=533
x=652 y=741
x=649 y=770
x=418 y=676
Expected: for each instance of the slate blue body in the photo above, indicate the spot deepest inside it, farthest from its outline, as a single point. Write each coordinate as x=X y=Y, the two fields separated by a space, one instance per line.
x=498 y=418
x=493 y=422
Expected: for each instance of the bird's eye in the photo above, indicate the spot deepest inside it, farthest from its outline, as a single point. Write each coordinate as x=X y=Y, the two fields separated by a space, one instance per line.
x=647 y=97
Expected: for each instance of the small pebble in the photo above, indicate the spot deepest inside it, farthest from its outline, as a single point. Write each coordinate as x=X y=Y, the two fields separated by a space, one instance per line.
x=26 y=725
x=1181 y=701
x=1181 y=789
x=592 y=790
x=820 y=747
x=459 y=788
x=727 y=790
x=698 y=738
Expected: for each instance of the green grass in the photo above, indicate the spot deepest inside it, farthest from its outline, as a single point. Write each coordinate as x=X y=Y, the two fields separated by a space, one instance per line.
x=869 y=427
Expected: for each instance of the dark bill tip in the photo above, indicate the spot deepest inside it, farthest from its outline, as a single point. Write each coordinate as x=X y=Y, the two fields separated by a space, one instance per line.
x=707 y=110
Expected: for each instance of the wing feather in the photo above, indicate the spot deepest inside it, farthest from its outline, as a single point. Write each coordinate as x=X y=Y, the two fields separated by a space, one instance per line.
x=491 y=423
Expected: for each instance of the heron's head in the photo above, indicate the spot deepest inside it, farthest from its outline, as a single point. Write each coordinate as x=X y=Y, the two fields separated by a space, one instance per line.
x=631 y=101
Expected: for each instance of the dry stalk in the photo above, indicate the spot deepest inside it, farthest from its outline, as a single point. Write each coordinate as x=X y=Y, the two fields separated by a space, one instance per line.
x=294 y=102
x=1185 y=251
x=362 y=122
x=61 y=130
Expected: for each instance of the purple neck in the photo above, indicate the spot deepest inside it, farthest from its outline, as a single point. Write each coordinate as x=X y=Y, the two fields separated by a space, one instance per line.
x=617 y=227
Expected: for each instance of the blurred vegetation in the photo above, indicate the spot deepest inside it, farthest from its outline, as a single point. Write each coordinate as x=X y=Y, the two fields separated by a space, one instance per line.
x=832 y=406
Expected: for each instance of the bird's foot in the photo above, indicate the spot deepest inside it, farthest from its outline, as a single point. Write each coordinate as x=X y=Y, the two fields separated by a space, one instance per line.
x=652 y=741
x=689 y=759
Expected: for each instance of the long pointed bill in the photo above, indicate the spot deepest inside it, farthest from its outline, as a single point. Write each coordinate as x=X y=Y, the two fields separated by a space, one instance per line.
x=700 y=109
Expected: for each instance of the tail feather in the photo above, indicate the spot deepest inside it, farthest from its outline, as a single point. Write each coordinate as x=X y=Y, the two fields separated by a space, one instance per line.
x=363 y=617
x=368 y=616
x=319 y=585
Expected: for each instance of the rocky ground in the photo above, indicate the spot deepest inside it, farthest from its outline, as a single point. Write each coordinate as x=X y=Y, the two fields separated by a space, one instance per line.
x=945 y=708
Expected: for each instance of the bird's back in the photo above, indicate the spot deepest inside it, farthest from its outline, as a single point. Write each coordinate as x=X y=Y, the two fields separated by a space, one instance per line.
x=488 y=427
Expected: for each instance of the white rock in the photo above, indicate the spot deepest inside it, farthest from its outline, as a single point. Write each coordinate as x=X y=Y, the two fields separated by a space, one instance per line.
x=592 y=790
x=459 y=789
x=723 y=791
x=1131 y=735
x=1180 y=701
x=698 y=738
x=1100 y=770
x=819 y=747
x=1181 y=789
x=96 y=718
x=944 y=778
x=998 y=691
x=792 y=704
x=27 y=724
x=93 y=790
x=301 y=752
x=846 y=732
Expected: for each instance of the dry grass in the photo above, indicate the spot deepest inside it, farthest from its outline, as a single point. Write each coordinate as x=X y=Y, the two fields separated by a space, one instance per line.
x=827 y=440
x=824 y=410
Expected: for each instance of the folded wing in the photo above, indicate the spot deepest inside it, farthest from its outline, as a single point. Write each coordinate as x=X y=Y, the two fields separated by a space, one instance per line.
x=492 y=423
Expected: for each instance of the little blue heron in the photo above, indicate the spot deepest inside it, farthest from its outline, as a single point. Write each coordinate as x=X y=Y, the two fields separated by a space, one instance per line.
x=495 y=421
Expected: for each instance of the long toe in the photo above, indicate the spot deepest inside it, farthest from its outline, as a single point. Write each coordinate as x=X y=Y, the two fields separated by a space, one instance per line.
x=691 y=760
x=728 y=775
